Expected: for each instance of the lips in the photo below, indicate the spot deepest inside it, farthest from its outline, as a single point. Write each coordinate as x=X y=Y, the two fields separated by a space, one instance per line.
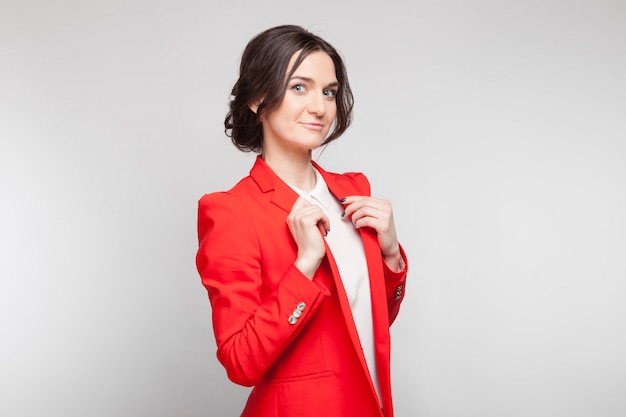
x=313 y=126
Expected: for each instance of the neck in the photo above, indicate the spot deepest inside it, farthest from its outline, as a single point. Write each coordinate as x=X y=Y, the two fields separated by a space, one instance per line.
x=293 y=169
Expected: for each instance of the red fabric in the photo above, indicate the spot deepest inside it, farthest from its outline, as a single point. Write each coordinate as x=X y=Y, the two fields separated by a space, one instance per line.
x=316 y=366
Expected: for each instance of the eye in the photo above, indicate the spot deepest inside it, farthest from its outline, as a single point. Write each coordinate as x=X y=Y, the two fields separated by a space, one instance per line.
x=298 y=88
x=330 y=93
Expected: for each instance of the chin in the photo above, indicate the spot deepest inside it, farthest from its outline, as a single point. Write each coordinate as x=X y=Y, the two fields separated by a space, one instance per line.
x=312 y=144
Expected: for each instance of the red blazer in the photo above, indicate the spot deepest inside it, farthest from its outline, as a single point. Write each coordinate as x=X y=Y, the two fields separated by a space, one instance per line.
x=291 y=338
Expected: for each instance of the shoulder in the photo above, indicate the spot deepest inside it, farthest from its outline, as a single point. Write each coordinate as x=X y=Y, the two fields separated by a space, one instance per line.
x=223 y=199
x=230 y=197
x=226 y=207
x=216 y=208
x=359 y=180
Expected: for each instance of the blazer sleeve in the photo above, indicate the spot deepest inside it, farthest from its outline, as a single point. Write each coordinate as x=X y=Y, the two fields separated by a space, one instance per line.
x=252 y=325
x=395 y=281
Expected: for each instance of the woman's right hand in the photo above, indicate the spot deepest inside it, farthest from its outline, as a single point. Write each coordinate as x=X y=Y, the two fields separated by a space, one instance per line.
x=307 y=224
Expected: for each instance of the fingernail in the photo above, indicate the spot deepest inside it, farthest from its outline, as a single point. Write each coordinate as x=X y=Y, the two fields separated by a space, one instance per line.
x=343 y=214
x=327 y=232
x=343 y=200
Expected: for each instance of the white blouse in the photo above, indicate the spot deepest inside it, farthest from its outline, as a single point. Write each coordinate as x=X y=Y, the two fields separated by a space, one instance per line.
x=345 y=243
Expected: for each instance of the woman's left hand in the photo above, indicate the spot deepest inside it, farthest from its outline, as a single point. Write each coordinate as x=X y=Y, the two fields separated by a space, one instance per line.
x=377 y=214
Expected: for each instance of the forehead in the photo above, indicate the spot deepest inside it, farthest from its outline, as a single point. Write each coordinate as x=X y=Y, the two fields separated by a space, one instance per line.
x=317 y=65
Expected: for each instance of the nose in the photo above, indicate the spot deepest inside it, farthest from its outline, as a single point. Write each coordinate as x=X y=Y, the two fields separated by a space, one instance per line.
x=317 y=104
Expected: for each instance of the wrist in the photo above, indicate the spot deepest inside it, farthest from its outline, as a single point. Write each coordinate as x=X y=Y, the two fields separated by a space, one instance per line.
x=307 y=267
x=393 y=260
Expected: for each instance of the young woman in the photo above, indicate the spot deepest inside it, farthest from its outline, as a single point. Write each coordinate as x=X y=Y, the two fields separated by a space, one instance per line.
x=302 y=266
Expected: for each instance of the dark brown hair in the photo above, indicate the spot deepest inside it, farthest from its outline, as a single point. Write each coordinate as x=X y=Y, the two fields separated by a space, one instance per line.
x=262 y=72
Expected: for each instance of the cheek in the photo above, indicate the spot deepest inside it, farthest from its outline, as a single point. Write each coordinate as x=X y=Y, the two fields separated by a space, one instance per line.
x=332 y=111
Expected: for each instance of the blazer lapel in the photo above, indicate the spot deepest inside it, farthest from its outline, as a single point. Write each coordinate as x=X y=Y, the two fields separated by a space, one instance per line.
x=282 y=195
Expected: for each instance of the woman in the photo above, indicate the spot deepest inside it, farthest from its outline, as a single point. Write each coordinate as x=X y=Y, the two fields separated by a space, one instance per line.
x=303 y=268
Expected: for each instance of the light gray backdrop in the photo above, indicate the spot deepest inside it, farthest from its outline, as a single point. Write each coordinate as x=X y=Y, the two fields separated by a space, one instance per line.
x=496 y=128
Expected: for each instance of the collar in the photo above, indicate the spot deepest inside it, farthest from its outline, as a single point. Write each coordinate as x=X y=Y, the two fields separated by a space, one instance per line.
x=319 y=192
x=283 y=195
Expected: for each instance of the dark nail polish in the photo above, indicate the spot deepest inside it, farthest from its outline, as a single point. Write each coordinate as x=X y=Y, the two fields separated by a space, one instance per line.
x=343 y=214
x=343 y=200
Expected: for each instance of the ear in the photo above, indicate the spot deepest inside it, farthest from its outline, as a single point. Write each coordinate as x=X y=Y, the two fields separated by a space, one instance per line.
x=255 y=106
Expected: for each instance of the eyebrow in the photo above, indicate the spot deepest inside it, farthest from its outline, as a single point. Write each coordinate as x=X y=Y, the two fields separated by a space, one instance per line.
x=310 y=80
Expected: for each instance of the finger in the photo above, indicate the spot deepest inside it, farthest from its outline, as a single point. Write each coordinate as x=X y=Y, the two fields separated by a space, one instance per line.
x=366 y=222
x=367 y=212
x=349 y=204
x=367 y=202
x=309 y=215
x=324 y=224
x=347 y=200
x=314 y=215
x=300 y=202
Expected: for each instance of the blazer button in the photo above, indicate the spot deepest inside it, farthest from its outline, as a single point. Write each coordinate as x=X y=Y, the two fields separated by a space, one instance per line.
x=296 y=313
x=301 y=305
x=292 y=319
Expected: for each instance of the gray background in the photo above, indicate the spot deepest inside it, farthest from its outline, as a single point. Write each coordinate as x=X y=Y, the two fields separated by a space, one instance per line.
x=496 y=128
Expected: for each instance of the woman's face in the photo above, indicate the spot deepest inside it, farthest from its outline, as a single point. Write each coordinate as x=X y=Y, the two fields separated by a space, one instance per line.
x=307 y=112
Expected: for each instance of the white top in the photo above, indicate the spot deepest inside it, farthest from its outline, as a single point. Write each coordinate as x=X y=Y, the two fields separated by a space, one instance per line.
x=345 y=243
